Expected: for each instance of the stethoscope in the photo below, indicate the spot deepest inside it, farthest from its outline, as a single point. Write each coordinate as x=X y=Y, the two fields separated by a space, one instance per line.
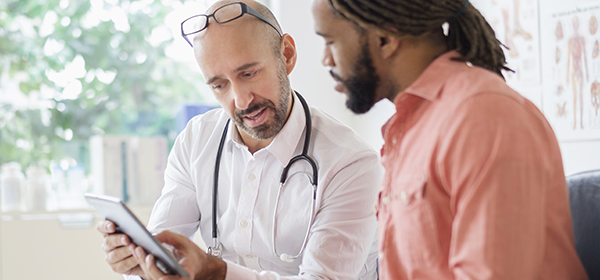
x=216 y=249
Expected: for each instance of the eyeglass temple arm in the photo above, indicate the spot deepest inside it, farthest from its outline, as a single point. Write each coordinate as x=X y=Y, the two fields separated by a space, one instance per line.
x=247 y=9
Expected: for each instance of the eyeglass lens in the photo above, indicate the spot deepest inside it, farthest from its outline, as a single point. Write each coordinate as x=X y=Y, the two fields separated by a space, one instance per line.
x=222 y=15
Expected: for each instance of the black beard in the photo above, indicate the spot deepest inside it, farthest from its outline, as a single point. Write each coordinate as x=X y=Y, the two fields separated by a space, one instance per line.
x=272 y=126
x=361 y=84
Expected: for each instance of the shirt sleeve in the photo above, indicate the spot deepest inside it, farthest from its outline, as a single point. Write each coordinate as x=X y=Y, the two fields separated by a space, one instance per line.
x=176 y=209
x=497 y=161
x=343 y=234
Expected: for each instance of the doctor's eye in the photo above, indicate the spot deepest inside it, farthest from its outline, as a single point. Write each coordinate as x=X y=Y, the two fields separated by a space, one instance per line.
x=218 y=87
x=249 y=74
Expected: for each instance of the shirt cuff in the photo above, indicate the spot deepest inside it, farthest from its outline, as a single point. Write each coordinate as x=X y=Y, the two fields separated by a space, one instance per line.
x=236 y=272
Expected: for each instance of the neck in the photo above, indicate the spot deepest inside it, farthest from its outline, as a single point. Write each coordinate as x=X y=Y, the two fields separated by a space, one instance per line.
x=253 y=144
x=411 y=62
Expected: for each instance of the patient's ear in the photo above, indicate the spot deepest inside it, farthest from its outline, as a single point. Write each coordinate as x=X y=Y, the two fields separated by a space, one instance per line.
x=387 y=44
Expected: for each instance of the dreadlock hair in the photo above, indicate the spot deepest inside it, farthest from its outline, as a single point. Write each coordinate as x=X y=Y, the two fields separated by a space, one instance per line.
x=469 y=33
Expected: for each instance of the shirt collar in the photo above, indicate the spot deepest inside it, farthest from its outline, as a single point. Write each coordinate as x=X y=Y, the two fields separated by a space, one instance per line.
x=285 y=142
x=288 y=139
x=429 y=84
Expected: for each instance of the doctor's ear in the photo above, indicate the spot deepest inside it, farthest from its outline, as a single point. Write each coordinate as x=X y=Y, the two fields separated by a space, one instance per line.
x=288 y=52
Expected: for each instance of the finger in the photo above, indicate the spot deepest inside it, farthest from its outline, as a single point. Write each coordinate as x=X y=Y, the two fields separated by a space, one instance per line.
x=180 y=242
x=106 y=227
x=118 y=255
x=140 y=258
x=137 y=270
x=113 y=241
x=152 y=269
x=127 y=266
x=147 y=263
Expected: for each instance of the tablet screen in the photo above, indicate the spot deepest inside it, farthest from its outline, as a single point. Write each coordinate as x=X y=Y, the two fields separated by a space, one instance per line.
x=115 y=210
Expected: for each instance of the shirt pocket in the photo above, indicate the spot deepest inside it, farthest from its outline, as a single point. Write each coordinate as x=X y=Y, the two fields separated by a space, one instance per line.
x=415 y=230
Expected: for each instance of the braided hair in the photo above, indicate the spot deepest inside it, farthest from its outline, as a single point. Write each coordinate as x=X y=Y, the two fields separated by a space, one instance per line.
x=468 y=33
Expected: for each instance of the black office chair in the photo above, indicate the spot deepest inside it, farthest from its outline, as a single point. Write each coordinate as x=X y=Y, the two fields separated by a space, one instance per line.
x=584 y=196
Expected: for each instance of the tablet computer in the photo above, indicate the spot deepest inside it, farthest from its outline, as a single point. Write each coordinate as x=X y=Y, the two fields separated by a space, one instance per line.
x=113 y=209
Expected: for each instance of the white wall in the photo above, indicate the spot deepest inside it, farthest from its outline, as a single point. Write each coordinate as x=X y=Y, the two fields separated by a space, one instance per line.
x=313 y=81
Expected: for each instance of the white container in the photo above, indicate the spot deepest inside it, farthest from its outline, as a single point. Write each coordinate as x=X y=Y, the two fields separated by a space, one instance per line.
x=12 y=183
x=37 y=185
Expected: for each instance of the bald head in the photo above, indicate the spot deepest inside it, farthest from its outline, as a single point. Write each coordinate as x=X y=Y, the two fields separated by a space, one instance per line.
x=257 y=6
x=266 y=31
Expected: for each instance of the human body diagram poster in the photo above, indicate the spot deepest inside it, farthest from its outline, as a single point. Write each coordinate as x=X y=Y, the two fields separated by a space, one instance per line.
x=516 y=24
x=571 y=63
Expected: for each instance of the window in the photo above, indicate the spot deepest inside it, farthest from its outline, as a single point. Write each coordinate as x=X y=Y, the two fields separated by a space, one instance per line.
x=71 y=69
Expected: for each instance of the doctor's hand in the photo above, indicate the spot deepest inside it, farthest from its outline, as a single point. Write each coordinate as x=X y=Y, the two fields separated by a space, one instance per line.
x=114 y=246
x=194 y=260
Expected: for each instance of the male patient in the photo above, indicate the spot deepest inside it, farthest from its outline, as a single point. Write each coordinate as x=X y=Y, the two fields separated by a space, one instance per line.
x=245 y=59
x=474 y=186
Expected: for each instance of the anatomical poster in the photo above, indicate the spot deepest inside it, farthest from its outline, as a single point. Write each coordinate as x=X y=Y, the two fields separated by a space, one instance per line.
x=516 y=25
x=571 y=63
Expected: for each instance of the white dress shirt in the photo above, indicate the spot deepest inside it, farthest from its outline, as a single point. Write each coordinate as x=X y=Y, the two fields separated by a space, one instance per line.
x=342 y=240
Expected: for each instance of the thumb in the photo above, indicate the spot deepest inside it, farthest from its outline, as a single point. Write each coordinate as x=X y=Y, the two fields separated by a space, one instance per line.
x=178 y=241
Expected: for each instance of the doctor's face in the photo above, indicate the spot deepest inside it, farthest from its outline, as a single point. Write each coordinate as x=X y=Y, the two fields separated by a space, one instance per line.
x=246 y=76
x=348 y=56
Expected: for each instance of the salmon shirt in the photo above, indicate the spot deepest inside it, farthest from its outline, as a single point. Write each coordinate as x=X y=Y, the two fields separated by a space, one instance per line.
x=474 y=185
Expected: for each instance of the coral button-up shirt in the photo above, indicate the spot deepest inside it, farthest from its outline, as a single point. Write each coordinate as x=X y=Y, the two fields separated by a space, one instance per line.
x=474 y=185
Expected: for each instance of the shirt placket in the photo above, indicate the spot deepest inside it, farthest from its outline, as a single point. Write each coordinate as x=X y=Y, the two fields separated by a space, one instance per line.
x=245 y=217
x=393 y=139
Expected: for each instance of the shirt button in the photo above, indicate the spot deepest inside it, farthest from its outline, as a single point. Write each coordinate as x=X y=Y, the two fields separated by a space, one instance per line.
x=380 y=256
x=394 y=141
x=385 y=200
x=243 y=223
x=251 y=177
x=249 y=256
x=404 y=197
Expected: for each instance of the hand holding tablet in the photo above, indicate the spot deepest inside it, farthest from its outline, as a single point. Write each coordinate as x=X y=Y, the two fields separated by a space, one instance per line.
x=115 y=210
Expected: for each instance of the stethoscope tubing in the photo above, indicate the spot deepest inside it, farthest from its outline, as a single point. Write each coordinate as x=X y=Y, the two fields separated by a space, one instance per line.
x=215 y=250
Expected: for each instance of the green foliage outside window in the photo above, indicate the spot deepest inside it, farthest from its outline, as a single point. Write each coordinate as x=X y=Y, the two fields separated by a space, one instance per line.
x=70 y=69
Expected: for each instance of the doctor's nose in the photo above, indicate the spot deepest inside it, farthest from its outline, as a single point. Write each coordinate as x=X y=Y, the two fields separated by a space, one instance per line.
x=242 y=97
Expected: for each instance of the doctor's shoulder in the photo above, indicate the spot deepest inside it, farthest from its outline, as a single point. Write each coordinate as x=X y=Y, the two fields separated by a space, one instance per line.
x=200 y=128
x=337 y=147
x=330 y=131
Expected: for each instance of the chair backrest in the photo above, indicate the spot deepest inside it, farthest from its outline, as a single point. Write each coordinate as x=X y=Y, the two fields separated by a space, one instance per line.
x=584 y=196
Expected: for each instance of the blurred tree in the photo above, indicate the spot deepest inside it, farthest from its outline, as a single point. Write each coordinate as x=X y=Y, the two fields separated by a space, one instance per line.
x=73 y=68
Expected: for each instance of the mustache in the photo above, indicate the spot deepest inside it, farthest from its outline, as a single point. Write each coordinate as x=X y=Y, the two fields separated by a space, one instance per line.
x=255 y=108
x=335 y=76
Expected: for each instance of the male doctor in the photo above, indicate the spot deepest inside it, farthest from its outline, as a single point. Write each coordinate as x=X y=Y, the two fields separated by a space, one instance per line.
x=245 y=59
